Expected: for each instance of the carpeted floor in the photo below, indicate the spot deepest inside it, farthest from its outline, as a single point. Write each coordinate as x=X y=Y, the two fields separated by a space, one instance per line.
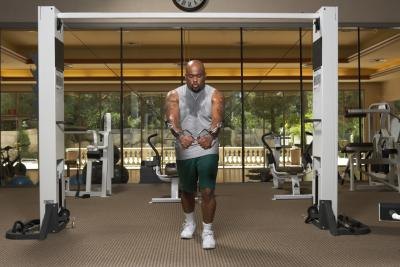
x=250 y=228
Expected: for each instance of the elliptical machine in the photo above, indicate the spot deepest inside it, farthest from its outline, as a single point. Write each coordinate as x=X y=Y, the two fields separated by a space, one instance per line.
x=152 y=169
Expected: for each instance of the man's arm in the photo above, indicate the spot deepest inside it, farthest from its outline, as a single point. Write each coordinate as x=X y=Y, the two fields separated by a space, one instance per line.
x=173 y=119
x=217 y=116
x=217 y=112
x=172 y=112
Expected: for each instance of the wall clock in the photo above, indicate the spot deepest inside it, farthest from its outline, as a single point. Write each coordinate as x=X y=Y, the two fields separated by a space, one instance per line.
x=189 y=5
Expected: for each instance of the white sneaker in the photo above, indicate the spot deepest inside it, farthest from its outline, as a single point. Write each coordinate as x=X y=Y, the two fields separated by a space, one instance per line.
x=188 y=230
x=208 y=239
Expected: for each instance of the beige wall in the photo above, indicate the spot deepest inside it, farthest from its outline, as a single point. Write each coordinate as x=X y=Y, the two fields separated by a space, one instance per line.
x=354 y=11
x=391 y=90
x=373 y=93
x=387 y=91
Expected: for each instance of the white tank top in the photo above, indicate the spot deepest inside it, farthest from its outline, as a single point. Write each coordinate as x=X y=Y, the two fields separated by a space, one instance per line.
x=195 y=110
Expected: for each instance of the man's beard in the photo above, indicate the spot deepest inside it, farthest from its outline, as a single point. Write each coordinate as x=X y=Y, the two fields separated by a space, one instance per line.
x=199 y=88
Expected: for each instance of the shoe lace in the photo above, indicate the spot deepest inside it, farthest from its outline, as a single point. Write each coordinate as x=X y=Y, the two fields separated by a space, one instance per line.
x=208 y=233
x=186 y=224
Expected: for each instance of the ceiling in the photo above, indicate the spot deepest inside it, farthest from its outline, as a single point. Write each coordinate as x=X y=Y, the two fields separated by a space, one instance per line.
x=155 y=55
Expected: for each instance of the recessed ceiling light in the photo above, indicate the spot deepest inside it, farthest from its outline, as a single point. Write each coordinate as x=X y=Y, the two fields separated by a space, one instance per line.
x=377 y=60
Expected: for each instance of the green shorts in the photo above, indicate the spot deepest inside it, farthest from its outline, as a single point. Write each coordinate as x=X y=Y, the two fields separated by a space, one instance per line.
x=203 y=168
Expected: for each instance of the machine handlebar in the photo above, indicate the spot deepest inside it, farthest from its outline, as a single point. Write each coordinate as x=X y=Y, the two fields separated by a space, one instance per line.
x=153 y=147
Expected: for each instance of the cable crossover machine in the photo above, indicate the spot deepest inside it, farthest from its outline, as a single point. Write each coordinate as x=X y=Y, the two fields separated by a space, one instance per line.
x=54 y=214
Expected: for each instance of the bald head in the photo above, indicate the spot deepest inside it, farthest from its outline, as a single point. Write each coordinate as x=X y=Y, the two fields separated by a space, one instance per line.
x=195 y=75
x=195 y=64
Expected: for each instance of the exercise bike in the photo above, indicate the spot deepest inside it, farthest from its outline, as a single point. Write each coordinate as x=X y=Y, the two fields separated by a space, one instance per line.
x=151 y=170
x=11 y=168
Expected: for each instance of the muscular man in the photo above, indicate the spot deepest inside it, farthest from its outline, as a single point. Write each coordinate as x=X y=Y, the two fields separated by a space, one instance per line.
x=194 y=107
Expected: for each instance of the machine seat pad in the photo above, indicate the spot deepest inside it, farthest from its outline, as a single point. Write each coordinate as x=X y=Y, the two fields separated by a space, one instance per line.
x=95 y=154
x=358 y=147
x=291 y=170
x=390 y=151
x=170 y=169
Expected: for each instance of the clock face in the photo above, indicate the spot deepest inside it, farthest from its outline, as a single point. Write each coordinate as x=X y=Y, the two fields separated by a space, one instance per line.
x=189 y=5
